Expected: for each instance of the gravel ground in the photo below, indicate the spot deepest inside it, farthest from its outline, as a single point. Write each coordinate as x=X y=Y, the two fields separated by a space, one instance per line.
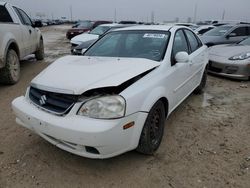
x=205 y=144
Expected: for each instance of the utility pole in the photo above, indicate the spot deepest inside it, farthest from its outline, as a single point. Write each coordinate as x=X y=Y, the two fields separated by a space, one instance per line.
x=115 y=16
x=71 y=16
x=223 y=15
x=152 y=17
x=195 y=12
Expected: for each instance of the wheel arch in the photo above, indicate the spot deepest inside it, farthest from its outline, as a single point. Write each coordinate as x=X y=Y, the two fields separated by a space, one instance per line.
x=158 y=94
x=11 y=44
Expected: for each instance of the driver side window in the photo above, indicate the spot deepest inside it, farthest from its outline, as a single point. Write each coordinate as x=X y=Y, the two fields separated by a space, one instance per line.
x=179 y=45
x=23 y=16
x=241 y=31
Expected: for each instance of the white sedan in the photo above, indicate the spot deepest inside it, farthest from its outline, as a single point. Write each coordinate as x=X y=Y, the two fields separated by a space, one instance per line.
x=117 y=96
x=92 y=35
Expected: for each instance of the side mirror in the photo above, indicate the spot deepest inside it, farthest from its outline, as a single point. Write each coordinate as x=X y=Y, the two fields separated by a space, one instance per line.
x=231 y=35
x=37 y=24
x=182 y=57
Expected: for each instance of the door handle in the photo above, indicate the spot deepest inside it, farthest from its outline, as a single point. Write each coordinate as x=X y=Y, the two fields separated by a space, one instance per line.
x=30 y=31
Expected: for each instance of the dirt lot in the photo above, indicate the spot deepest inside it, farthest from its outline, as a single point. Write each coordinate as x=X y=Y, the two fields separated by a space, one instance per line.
x=206 y=141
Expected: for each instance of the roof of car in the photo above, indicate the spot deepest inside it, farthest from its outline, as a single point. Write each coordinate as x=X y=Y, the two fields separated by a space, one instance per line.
x=235 y=25
x=151 y=27
x=110 y=25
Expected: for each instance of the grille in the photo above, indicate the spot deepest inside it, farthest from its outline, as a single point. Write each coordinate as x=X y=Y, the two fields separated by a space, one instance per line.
x=56 y=103
x=214 y=69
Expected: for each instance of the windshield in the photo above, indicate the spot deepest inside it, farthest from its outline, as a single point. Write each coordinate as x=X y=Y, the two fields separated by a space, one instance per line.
x=86 y=24
x=132 y=44
x=218 y=31
x=245 y=42
x=99 y=30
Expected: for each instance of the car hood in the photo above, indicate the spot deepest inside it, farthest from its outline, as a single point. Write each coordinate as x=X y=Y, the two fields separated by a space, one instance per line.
x=85 y=45
x=76 y=74
x=228 y=50
x=83 y=38
x=77 y=30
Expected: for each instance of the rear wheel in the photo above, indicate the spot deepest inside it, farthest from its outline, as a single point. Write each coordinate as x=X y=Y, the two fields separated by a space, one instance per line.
x=40 y=52
x=200 y=88
x=153 y=129
x=10 y=74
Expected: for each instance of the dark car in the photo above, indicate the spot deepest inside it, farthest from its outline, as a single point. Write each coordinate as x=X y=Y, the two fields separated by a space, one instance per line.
x=128 y=22
x=82 y=27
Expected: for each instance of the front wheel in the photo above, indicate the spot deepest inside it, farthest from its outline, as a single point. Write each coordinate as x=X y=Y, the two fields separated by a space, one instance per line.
x=153 y=129
x=10 y=74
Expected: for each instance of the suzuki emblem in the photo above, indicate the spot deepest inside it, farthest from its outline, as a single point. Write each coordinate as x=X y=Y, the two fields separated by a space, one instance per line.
x=43 y=100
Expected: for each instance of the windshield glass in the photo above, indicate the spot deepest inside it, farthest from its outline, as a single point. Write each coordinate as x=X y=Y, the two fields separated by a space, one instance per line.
x=99 y=30
x=86 y=24
x=218 y=31
x=245 y=42
x=132 y=44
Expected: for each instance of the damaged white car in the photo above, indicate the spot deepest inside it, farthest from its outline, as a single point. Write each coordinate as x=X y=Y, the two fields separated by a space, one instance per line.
x=117 y=96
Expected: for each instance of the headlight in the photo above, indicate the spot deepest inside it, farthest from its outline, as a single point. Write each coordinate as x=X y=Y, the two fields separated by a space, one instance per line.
x=242 y=56
x=106 y=107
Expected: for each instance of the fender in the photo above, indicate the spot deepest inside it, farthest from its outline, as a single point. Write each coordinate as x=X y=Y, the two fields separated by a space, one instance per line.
x=11 y=41
x=155 y=95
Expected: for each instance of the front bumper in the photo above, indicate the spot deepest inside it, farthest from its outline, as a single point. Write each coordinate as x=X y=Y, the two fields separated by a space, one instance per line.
x=76 y=134
x=239 y=70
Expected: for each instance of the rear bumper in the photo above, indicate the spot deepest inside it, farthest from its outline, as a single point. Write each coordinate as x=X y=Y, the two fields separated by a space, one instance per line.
x=76 y=134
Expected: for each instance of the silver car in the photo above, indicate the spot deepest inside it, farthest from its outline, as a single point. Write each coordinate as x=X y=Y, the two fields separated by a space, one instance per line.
x=231 y=60
x=226 y=34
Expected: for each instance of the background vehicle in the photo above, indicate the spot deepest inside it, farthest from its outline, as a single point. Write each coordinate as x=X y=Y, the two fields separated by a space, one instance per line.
x=116 y=97
x=232 y=61
x=92 y=35
x=18 y=38
x=203 y=29
x=190 y=25
x=82 y=27
x=85 y=40
x=226 y=34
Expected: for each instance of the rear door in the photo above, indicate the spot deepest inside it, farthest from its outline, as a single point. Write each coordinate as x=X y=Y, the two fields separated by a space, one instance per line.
x=29 y=32
x=197 y=58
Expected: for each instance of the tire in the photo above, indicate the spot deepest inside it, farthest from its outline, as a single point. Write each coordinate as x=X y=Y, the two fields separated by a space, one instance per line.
x=39 y=54
x=153 y=129
x=199 y=90
x=10 y=74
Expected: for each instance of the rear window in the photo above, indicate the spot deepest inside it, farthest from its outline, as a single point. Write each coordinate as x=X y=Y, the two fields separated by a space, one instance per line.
x=4 y=15
x=218 y=31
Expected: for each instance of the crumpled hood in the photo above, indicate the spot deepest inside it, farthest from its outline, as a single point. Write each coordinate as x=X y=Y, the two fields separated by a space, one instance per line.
x=228 y=50
x=77 y=74
x=83 y=38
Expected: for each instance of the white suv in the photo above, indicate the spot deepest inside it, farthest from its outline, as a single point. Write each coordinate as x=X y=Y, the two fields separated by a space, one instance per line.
x=116 y=97
x=18 y=38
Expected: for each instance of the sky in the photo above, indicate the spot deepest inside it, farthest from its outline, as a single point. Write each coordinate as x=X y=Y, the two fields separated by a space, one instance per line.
x=138 y=10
